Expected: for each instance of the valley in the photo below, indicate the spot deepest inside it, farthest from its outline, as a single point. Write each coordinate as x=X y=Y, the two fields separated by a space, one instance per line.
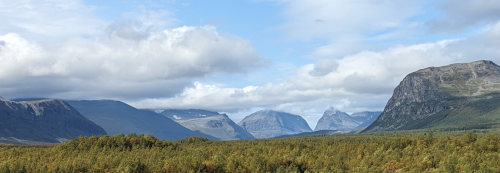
x=264 y=86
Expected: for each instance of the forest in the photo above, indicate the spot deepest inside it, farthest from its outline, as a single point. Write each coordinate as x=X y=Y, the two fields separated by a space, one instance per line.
x=423 y=152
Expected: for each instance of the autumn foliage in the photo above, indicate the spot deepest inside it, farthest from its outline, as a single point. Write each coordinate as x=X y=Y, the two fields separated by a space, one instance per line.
x=357 y=153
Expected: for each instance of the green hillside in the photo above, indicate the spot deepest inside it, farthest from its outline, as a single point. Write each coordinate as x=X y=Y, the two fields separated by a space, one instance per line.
x=481 y=112
x=453 y=97
x=478 y=112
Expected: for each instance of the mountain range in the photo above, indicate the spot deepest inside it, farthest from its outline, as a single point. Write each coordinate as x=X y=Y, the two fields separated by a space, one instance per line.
x=208 y=122
x=117 y=117
x=453 y=97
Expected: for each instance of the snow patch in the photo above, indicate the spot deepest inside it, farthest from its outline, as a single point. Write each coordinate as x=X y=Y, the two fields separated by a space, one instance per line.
x=177 y=117
x=61 y=140
x=38 y=110
x=158 y=111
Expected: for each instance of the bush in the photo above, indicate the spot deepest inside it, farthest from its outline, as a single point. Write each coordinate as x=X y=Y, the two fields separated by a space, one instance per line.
x=357 y=153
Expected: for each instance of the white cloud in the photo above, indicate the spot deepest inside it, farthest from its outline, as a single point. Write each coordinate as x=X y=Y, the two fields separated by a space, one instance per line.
x=60 y=49
x=159 y=64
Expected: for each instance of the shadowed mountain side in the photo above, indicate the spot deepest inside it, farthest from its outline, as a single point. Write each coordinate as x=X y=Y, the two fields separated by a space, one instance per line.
x=117 y=117
x=47 y=120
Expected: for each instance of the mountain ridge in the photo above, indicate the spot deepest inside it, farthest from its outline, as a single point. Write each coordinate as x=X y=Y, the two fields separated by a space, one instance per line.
x=47 y=120
x=434 y=96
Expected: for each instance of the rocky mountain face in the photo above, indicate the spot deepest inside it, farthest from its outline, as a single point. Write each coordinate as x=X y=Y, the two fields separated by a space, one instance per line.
x=208 y=122
x=47 y=120
x=269 y=123
x=464 y=95
x=334 y=119
x=117 y=117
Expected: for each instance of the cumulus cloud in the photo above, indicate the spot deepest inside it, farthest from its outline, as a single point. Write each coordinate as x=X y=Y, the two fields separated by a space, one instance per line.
x=60 y=56
x=156 y=64
x=360 y=81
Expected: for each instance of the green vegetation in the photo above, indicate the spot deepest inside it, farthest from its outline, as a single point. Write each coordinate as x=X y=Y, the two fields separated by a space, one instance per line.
x=427 y=152
x=459 y=113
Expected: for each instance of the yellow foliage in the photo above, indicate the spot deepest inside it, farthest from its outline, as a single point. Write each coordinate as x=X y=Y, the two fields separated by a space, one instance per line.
x=356 y=153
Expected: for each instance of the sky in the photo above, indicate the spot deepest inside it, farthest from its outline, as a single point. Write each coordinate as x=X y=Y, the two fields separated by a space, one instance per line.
x=237 y=57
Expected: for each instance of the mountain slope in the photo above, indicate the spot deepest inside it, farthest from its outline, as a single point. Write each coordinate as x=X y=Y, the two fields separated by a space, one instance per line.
x=336 y=120
x=365 y=118
x=46 y=120
x=211 y=123
x=268 y=124
x=457 y=96
x=117 y=117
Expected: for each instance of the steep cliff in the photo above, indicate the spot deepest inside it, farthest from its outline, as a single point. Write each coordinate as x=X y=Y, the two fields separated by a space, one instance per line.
x=456 y=96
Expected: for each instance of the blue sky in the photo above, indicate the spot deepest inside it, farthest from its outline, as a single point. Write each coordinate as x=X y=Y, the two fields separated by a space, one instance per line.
x=255 y=21
x=237 y=57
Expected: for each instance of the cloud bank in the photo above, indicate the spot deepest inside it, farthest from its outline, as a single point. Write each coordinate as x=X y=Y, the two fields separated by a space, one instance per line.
x=128 y=60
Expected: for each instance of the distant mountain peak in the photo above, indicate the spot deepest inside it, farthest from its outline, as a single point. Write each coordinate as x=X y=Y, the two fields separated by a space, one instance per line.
x=334 y=119
x=271 y=123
